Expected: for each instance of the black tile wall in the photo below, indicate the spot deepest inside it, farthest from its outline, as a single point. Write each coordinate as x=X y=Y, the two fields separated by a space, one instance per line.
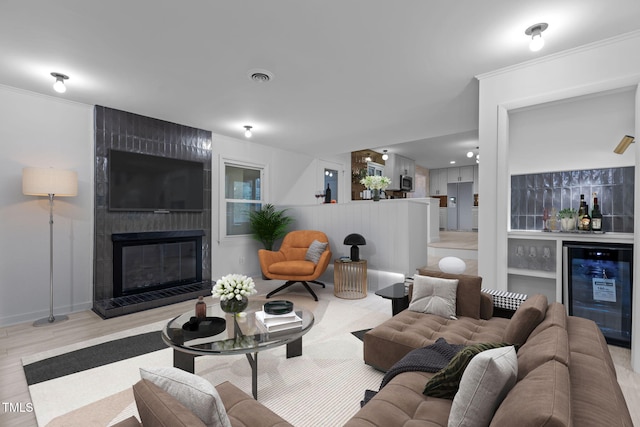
x=533 y=193
x=131 y=132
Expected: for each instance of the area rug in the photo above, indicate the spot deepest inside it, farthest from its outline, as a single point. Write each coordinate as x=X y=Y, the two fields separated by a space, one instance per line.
x=324 y=386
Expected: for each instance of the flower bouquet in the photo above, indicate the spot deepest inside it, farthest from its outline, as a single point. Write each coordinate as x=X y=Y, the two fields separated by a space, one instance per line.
x=234 y=290
x=376 y=183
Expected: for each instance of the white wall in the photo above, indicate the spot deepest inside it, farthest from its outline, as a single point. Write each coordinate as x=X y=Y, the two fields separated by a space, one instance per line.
x=600 y=67
x=576 y=133
x=43 y=131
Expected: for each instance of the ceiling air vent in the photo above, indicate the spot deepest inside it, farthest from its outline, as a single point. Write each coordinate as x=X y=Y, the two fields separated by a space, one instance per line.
x=260 y=76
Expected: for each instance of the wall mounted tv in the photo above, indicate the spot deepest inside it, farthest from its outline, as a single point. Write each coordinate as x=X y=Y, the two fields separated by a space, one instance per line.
x=141 y=182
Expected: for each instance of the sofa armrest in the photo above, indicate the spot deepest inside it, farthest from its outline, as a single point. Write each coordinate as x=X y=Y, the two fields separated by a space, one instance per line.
x=486 y=306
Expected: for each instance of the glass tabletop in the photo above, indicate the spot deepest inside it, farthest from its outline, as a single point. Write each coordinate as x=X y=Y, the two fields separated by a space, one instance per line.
x=237 y=334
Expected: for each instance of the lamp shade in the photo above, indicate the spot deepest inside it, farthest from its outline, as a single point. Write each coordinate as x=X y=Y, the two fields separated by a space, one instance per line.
x=45 y=181
x=354 y=239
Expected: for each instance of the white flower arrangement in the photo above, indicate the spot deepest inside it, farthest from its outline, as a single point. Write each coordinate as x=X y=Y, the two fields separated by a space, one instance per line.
x=376 y=182
x=233 y=286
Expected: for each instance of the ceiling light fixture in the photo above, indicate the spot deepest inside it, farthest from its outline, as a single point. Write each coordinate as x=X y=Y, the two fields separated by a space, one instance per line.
x=625 y=142
x=59 y=85
x=368 y=158
x=385 y=156
x=535 y=31
x=260 y=75
x=470 y=154
x=247 y=131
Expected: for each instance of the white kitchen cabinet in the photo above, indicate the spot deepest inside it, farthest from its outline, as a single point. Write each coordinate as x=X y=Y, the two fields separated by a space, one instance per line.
x=476 y=181
x=438 y=182
x=461 y=174
x=397 y=165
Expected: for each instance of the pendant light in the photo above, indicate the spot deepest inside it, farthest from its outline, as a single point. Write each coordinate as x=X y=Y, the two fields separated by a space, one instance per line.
x=247 y=132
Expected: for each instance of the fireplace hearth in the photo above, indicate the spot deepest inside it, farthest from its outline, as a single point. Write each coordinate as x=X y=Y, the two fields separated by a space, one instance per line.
x=151 y=269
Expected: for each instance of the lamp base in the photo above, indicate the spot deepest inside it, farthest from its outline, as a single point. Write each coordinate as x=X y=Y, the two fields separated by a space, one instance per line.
x=50 y=320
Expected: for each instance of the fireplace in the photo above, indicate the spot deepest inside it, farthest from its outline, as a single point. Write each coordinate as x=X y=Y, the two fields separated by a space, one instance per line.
x=150 y=261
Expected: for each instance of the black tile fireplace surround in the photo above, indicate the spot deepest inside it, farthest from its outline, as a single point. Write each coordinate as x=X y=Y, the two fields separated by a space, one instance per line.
x=124 y=131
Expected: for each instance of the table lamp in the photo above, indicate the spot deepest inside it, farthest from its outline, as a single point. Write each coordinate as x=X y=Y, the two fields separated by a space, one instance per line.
x=49 y=182
x=355 y=240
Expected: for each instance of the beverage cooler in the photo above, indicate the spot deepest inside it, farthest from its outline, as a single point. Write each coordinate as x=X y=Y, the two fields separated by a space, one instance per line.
x=598 y=281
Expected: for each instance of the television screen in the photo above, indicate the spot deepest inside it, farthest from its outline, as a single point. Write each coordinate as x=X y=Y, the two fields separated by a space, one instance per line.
x=141 y=182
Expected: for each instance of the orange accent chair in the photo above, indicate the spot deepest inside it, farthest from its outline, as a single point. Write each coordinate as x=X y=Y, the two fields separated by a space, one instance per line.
x=289 y=262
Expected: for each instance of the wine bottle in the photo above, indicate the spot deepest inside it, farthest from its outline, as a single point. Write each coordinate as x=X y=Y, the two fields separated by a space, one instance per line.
x=327 y=194
x=596 y=215
x=581 y=211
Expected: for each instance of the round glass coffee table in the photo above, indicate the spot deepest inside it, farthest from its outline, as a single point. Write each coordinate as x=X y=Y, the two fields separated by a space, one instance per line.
x=226 y=334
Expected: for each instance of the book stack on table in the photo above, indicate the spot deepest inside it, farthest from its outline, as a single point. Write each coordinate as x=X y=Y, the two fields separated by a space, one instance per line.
x=278 y=322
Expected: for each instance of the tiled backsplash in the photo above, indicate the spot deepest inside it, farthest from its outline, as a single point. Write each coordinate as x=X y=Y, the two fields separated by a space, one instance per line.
x=532 y=193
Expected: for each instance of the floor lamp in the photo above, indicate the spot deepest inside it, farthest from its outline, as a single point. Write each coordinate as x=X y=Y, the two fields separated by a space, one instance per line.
x=49 y=182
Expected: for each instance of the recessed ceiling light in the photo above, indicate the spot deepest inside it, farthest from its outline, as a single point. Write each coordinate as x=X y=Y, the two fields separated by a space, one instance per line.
x=453 y=162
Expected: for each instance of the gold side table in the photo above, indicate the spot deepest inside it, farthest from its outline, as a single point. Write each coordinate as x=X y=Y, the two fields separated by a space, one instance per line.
x=350 y=279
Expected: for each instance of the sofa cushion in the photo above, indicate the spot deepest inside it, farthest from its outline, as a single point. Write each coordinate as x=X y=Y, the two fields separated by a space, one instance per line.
x=388 y=342
x=467 y=294
x=446 y=382
x=542 y=398
x=525 y=319
x=550 y=344
x=556 y=315
x=484 y=384
x=315 y=251
x=194 y=392
x=432 y=295
x=401 y=403
x=157 y=408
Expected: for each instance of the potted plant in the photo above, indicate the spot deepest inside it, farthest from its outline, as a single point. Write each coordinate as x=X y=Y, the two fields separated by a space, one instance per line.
x=268 y=225
x=568 y=217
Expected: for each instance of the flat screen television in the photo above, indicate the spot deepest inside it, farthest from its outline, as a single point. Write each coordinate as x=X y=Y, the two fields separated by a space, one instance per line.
x=142 y=182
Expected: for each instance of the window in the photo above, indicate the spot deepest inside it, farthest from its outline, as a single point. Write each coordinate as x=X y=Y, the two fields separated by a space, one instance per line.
x=243 y=195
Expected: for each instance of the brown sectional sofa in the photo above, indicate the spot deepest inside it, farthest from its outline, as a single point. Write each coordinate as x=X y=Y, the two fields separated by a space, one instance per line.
x=566 y=376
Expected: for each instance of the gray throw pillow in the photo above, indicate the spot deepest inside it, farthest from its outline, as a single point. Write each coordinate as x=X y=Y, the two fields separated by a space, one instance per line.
x=432 y=295
x=194 y=392
x=315 y=251
x=484 y=384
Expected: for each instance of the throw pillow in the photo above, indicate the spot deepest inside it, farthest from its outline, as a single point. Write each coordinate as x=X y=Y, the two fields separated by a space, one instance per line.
x=315 y=251
x=446 y=382
x=484 y=384
x=194 y=392
x=432 y=295
x=529 y=315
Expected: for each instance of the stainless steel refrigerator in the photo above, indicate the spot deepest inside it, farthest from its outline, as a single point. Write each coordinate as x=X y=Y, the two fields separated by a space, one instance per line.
x=598 y=281
x=459 y=206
